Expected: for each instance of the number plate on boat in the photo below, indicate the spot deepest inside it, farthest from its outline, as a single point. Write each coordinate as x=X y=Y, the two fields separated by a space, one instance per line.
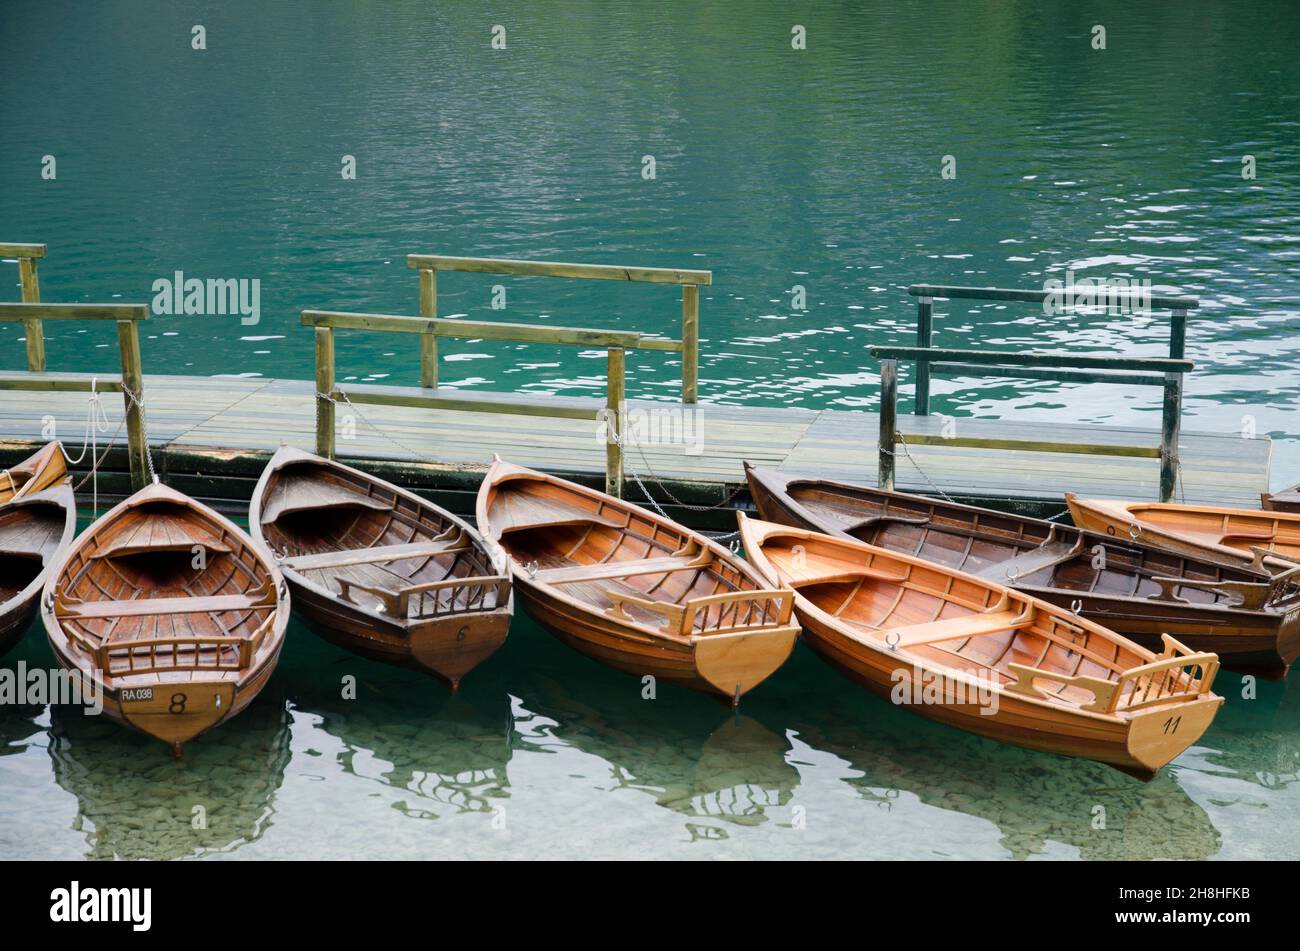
x=138 y=695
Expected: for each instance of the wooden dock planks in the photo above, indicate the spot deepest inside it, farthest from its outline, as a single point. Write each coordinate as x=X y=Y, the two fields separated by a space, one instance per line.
x=226 y=427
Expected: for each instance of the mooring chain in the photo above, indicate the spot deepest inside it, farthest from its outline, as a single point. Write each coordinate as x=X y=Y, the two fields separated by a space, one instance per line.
x=393 y=439
x=144 y=430
x=621 y=439
x=910 y=458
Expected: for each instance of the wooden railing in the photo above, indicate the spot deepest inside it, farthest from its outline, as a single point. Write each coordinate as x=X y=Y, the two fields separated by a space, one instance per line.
x=615 y=342
x=130 y=384
x=29 y=281
x=1066 y=368
x=688 y=346
x=926 y=294
x=1151 y=372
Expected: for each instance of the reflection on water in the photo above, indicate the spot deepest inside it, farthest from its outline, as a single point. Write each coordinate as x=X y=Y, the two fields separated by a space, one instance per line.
x=452 y=759
x=546 y=753
x=711 y=766
x=134 y=804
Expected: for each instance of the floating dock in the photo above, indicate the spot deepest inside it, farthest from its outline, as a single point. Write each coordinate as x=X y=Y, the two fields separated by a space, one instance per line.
x=211 y=437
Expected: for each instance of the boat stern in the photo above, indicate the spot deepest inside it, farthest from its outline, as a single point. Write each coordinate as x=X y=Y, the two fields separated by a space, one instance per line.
x=177 y=713
x=450 y=647
x=735 y=663
x=1158 y=735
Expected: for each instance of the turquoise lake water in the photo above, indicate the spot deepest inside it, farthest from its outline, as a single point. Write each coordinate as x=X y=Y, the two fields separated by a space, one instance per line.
x=774 y=168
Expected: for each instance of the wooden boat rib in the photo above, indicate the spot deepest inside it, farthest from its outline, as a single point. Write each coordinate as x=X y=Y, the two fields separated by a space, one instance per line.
x=39 y=471
x=379 y=570
x=1249 y=619
x=1051 y=681
x=170 y=610
x=634 y=590
x=35 y=532
x=1262 y=540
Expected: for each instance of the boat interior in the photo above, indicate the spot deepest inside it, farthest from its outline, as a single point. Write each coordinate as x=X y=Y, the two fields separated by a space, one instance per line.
x=620 y=562
x=1243 y=531
x=371 y=546
x=1016 y=551
x=163 y=588
x=30 y=534
x=966 y=626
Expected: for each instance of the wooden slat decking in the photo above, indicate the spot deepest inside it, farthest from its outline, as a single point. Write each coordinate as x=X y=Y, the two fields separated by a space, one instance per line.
x=211 y=436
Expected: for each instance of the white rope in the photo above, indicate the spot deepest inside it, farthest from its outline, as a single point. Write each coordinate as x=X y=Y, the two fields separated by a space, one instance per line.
x=96 y=423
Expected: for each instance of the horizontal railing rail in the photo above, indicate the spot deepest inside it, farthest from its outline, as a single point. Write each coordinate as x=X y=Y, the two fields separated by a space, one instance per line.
x=615 y=342
x=1070 y=297
x=689 y=280
x=32 y=311
x=1099 y=295
x=1168 y=373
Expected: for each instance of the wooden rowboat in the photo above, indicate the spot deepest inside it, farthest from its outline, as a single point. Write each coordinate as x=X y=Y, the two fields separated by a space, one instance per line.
x=634 y=590
x=1288 y=500
x=35 y=532
x=977 y=655
x=39 y=471
x=1267 y=540
x=1250 y=620
x=377 y=569
x=170 y=611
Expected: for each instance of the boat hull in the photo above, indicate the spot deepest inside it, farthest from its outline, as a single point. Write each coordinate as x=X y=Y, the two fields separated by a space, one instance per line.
x=172 y=677
x=444 y=645
x=177 y=713
x=725 y=666
x=1136 y=746
x=447 y=648
x=1263 y=643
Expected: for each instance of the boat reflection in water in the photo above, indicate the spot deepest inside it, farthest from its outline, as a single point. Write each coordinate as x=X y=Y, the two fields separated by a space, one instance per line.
x=1042 y=805
x=450 y=753
x=713 y=767
x=1254 y=743
x=134 y=804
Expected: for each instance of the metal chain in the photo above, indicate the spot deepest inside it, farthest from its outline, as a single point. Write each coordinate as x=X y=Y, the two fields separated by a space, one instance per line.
x=622 y=439
x=915 y=465
x=144 y=430
x=393 y=439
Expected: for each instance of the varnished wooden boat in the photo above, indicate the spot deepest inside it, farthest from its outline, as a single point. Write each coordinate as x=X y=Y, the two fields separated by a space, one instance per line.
x=634 y=590
x=977 y=655
x=171 y=611
x=1250 y=620
x=39 y=471
x=379 y=570
x=1268 y=540
x=35 y=532
x=1287 y=500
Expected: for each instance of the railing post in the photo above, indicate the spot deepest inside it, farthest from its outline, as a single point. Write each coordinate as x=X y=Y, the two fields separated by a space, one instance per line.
x=888 y=422
x=1169 y=428
x=614 y=423
x=690 y=343
x=128 y=341
x=325 y=386
x=428 y=342
x=32 y=328
x=924 y=337
x=1177 y=333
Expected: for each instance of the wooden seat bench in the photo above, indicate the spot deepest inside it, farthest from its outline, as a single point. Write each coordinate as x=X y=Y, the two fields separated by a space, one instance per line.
x=369 y=556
